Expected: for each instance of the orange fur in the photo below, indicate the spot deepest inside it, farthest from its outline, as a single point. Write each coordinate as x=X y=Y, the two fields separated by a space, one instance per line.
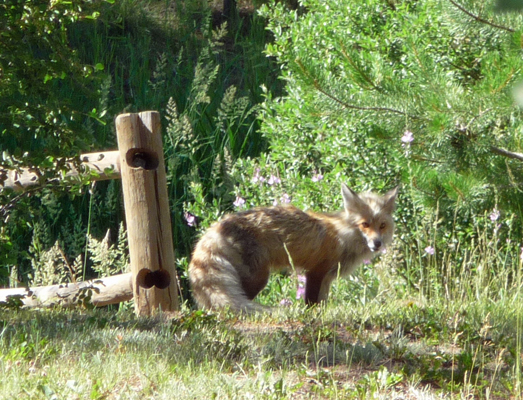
x=232 y=262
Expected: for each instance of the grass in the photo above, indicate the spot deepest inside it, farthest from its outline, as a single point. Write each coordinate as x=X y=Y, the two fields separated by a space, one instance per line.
x=373 y=340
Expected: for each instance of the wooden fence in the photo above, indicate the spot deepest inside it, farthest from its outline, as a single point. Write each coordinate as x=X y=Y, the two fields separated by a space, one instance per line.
x=139 y=162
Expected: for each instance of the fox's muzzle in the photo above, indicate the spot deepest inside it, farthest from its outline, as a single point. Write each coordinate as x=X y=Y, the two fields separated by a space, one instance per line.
x=374 y=244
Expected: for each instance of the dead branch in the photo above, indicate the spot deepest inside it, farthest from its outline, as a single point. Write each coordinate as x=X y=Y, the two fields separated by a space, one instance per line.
x=98 y=292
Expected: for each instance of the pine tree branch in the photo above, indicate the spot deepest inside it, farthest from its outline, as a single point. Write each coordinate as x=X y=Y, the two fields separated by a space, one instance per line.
x=357 y=68
x=506 y=153
x=480 y=19
x=352 y=106
x=317 y=86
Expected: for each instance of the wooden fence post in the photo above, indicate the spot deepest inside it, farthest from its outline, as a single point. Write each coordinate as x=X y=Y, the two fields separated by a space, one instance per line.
x=155 y=286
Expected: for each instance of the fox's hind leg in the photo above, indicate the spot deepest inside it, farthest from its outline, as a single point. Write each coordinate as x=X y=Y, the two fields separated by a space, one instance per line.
x=253 y=284
x=317 y=286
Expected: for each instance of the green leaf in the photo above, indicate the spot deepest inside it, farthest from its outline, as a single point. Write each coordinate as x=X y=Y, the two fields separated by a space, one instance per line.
x=509 y=5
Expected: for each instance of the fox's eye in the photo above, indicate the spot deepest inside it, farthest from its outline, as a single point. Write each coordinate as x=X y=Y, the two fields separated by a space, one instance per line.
x=383 y=225
x=365 y=225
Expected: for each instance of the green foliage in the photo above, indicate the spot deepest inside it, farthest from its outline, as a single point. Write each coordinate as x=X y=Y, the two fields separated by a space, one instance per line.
x=509 y=5
x=52 y=266
x=441 y=307
x=361 y=74
x=41 y=78
x=13 y=302
x=378 y=380
x=109 y=259
x=127 y=56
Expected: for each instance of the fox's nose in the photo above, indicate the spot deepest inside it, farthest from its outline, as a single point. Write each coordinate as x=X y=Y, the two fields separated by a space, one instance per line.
x=376 y=244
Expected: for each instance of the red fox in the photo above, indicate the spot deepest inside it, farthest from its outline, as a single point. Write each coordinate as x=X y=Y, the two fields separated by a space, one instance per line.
x=232 y=261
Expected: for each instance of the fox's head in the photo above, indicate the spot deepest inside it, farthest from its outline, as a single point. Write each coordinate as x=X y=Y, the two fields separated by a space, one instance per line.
x=371 y=214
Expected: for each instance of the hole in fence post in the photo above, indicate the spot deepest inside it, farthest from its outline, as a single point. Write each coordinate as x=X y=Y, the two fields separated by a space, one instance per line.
x=141 y=158
x=147 y=279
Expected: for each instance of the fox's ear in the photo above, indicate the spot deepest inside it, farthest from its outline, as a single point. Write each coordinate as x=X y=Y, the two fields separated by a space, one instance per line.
x=351 y=200
x=390 y=200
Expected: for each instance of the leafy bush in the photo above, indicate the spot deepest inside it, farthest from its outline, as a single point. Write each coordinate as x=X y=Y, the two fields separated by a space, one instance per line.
x=42 y=79
x=417 y=92
x=361 y=74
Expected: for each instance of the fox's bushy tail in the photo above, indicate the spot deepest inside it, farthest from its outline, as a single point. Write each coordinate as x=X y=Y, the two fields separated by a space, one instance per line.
x=216 y=284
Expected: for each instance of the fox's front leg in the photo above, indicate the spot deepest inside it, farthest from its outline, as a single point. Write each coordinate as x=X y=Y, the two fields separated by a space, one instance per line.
x=317 y=286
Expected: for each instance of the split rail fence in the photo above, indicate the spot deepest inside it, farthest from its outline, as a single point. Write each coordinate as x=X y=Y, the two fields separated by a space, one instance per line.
x=139 y=162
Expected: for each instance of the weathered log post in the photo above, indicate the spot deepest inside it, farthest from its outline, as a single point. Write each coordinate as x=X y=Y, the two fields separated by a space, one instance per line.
x=144 y=183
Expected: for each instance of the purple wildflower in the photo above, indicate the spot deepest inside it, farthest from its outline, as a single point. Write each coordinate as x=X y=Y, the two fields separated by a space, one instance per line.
x=366 y=261
x=429 y=250
x=407 y=138
x=285 y=303
x=239 y=202
x=257 y=177
x=300 y=291
x=285 y=198
x=189 y=218
x=317 y=177
x=494 y=215
x=273 y=180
